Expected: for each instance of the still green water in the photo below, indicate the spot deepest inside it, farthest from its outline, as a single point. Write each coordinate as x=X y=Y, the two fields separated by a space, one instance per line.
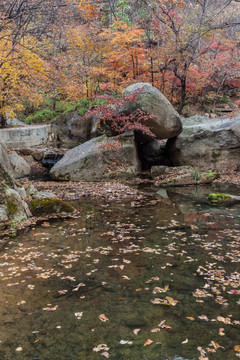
x=102 y=284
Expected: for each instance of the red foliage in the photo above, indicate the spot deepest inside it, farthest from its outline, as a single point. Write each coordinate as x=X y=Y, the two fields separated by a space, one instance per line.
x=114 y=119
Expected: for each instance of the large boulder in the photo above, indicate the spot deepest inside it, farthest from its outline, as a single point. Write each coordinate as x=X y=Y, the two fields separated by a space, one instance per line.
x=207 y=143
x=166 y=122
x=93 y=159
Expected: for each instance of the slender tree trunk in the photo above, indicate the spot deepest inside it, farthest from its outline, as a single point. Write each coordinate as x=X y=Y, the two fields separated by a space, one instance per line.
x=133 y=68
x=2 y=121
x=183 y=93
x=152 y=74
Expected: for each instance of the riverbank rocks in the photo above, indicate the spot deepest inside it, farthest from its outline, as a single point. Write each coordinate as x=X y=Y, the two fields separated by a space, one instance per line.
x=185 y=175
x=95 y=158
x=49 y=206
x=166 y=121
x=207 y=143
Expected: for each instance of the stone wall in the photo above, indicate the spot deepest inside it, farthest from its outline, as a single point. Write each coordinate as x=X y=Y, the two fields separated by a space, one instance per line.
x=22 y=137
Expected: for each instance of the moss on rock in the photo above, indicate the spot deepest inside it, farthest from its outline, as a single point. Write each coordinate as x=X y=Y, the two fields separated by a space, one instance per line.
x=49 y=206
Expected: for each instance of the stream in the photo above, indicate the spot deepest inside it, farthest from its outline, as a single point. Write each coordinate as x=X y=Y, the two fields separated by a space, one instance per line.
x=157 y=280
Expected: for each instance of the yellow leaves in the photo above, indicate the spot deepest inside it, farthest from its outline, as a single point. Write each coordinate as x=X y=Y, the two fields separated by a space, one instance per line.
x=237 y=347
x=167 y=301
x=190 y=318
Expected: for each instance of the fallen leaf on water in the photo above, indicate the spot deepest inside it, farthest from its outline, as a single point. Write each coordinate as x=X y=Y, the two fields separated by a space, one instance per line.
x=162 y=325
x=226 y=320
x=167 y=301
x=215 y=345
x=221 y=332
x=155 y=330
x=78 y=315
x=148 y=342
x=185 y=341
x=124 y=342
x=204 y=317
x=136 y=331
x=103 y=318
x=100 y=347
x=51 y=308
x=106 y=354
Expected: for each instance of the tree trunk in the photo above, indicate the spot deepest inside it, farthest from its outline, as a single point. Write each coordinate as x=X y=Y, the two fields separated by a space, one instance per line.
x=2 y=121
x=152 y=74
x=183 y=94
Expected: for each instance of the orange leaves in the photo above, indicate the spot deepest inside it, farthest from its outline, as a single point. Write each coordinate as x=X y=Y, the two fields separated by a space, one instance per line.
x=103 y=318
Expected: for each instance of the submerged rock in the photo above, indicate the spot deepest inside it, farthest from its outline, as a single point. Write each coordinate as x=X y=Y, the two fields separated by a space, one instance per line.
x=95 y=158
x=166 y=122
x=223 y=199
x=207 y=143
x=48 y=206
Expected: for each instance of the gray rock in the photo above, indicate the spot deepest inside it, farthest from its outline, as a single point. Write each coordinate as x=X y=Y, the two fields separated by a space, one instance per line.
x=91 y=160
x=5 y=161
x=31 y=190
x=19 y=164
x=38 y=154
x=158 y=170
x=3 y=216
x=205 y=143
x=17 y=208
x=21 y=191
x=72 y=128
x=166 y=122
x=44 y=195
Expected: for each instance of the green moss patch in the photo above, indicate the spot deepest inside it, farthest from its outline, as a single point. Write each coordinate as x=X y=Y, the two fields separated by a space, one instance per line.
x=50 y=206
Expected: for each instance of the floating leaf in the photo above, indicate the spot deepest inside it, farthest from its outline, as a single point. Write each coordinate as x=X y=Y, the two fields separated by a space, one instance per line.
x=124 y=342
x=103 y=318
x=106 y=354
x=148 y=342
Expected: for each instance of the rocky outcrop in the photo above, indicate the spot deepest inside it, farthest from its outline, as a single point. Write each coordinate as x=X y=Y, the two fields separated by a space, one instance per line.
x=166 y=121
x=212 y=144
x=95 y=158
